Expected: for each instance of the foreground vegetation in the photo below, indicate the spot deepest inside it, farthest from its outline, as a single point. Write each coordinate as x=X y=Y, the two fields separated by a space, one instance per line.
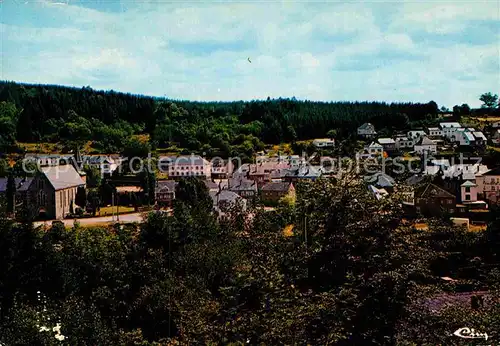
x=338 y=267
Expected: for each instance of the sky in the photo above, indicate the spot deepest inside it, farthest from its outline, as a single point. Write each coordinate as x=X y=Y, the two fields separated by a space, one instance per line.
x=446 y=51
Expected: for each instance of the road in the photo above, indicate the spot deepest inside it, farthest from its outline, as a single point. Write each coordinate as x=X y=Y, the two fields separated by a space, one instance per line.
x=125 y=218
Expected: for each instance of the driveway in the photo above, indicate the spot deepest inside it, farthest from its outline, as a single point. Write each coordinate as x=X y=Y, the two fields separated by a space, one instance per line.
x=124 y=218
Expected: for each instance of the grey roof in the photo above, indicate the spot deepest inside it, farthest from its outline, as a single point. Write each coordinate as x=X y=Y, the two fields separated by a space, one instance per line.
x=380 y=179
x=211 y=185
x=479 y=134
x=62 y=177
x=304 y=172
x=22 y=184
x=386 y=141
x=366 y=126
x=469 y=136
x=96 y=159
x=276 y=186
x=242 y=185
x=415 y=179
x=168 y=184
x=468 y=184
x=224 y=195
x=426 y=141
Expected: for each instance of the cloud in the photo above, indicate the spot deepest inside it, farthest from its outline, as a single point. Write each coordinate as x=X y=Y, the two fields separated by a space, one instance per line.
x=321 y=51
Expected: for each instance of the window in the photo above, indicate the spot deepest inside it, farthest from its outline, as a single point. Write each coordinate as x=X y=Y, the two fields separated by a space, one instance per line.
x=467 y=189
x=467 y=197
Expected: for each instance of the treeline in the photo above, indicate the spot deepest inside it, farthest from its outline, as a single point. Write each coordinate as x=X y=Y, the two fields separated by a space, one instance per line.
x=45 y=113
x=350 y=273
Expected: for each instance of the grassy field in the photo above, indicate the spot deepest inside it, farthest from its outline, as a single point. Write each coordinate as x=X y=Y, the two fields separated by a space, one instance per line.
x=107 y=211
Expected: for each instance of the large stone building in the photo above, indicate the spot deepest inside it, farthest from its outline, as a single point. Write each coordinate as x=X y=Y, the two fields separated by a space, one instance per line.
x=48 y=194
x=57 y=191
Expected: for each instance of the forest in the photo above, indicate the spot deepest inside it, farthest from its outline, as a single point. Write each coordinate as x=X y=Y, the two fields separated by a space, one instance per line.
x=348 y=271
x=46 y=113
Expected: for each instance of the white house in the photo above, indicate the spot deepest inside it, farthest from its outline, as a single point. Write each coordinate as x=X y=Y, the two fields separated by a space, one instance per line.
x=480 y=138
x=464 y=137
x=387 y=143
x=416 y=134
x=48 y=160
x=404 y=143
x=367 y=130
x=449 y=128
x=371 y=151
x=185 y=166
x=435 y=132
x=425 y=145
x=468 y=192
x=324 y=142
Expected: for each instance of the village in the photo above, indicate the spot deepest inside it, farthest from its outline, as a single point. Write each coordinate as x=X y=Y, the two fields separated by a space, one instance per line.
x=444 y=176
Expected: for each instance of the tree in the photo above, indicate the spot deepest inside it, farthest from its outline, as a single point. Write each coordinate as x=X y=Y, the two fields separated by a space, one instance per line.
x=489 y=100
x=93 y=176
x=81 y=197
x=11 y=194
x=94 y=200
x=332 y=133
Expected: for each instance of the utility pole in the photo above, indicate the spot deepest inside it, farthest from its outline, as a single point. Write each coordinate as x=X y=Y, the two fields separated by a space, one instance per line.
x=117 y=209
x=113 y=206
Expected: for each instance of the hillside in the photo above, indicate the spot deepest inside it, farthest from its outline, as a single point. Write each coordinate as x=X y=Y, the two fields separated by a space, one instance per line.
x=48 y=113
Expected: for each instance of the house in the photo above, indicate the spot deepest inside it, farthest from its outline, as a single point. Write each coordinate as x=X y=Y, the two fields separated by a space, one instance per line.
x=488 y=184
x=243 y=187
x=371 y=151
x=26 y=199
x=381 y=180
x=367 y=130
x=222 y=169
x=295 y=161
x=323 y=143
x=463 y=137
x=185 y=166
x=388 y=144
x=378 y=193
x=274 y=191
x=58 y=190
x=449 y=128
x=432 y=200
x=416 y=134
x=496 y=137
x=309 y=172
x=404 y=142
x=106 y=164
x=48 y=160
x=165 y=192
x=224 y=200
x=425 y=145
x=468 y=192
x=434 y=132
x=480 y=138
x=496 y=125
